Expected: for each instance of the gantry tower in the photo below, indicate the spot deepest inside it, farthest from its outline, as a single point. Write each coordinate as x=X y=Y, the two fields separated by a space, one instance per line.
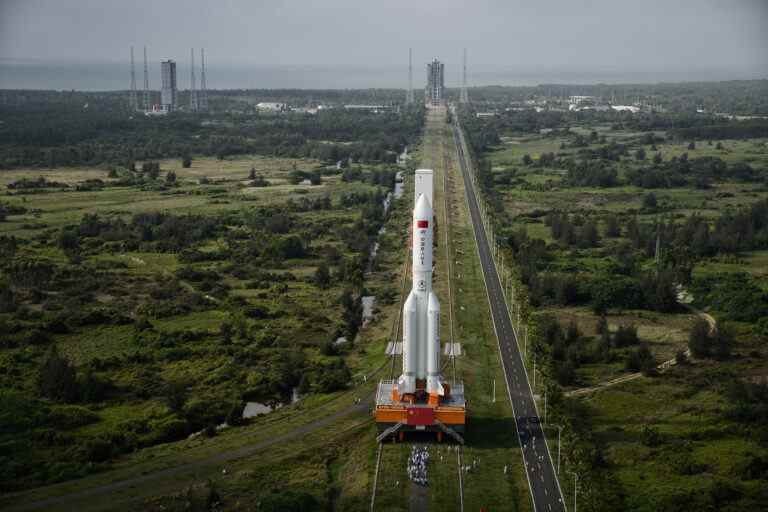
x=464 y=96
x=203 y=98
x=409 y=95
x=146 y=82
x=192 y=90
x=134 y=101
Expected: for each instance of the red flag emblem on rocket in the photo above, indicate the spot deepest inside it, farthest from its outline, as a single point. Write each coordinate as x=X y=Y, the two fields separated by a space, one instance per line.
x=422 y=223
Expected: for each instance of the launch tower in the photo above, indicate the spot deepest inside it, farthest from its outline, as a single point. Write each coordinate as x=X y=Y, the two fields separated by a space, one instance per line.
x=420 y=399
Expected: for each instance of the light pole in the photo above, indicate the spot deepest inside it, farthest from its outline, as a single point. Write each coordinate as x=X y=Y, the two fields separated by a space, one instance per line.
x=559 y=430
x=575 y=483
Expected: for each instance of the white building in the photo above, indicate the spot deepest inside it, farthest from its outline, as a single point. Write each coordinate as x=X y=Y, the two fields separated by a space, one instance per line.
x=269 y=106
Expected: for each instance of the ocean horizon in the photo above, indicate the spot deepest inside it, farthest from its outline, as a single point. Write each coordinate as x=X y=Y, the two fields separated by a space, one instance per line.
x=110 y=76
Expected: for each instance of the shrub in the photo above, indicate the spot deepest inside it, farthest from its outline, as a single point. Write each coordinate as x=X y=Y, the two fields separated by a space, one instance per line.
x=71 y=416
x=57 y=378
x=625 y=336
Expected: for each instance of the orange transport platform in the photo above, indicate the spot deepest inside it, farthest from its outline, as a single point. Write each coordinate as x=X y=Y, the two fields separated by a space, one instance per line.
x=396 y=418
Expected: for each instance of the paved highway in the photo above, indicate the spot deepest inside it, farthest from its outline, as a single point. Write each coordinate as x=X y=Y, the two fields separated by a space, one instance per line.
x=545 y=489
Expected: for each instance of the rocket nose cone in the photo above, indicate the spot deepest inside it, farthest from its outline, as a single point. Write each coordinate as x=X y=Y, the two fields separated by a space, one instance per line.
x=422 y=210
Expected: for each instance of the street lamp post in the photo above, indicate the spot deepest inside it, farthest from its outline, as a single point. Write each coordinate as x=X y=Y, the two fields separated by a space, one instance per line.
x=559 y=429
x=575 y=483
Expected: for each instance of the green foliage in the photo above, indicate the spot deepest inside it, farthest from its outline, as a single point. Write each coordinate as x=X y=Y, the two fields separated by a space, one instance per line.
x=322 y=277
x=332 y=376
x=651 y=437
x=736 y=295
x=19 y=413
x=286 y=500
x=71 y=416
x=642 y=360
x=57 y=378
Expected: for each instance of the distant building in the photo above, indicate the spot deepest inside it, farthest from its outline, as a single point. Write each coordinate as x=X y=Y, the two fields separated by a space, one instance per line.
x=370 y=108
x=269 y=106
x=435 y=90
x=168 y=90
x=626 y=108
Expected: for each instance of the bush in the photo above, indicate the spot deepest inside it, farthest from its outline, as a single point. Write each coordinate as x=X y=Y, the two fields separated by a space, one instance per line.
x=94 y=450
x=625 y=336
x=57 y=378
x=641 y=360
x=71 y=416
x=288 y=501
x=650 y=437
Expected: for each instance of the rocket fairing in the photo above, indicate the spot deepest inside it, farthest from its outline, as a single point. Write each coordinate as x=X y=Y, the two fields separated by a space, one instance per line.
x=421 y=311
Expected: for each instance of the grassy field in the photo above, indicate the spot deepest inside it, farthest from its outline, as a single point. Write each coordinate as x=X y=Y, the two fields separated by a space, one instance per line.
x=666 y=333
x=295 y=307
x=667 y=442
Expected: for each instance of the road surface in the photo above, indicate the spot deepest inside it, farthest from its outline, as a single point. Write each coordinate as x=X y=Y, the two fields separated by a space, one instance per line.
x=542 y=481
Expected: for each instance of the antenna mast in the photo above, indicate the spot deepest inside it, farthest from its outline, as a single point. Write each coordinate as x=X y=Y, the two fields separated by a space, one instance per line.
x=133 y=99
x=146 y=82
x=464 y=97
x=192 y=90
x=203 y=99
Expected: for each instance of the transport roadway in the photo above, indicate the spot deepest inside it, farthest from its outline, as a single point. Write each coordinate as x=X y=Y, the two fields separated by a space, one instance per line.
x=540 y=472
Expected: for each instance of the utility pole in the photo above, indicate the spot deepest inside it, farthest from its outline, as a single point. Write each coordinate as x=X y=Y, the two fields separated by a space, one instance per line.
x=575 y=483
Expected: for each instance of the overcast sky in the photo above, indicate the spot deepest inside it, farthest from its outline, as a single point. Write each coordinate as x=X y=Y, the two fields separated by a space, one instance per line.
x=651 y=35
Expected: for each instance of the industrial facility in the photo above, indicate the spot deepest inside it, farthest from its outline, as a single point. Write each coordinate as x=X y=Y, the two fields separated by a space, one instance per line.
x=420 y=399
x=434 y=94
x=169 y=96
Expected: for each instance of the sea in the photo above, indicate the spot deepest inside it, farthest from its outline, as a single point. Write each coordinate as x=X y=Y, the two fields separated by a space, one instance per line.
x=110 y=76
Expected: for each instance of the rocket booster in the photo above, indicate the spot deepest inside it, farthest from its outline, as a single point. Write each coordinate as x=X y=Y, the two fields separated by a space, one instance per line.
x=421 y=311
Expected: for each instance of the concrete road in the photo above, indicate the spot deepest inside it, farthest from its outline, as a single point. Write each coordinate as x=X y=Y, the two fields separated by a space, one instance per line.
x=545 y=489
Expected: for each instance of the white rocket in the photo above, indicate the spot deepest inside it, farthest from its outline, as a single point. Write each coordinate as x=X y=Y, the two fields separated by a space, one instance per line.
x=421 y=311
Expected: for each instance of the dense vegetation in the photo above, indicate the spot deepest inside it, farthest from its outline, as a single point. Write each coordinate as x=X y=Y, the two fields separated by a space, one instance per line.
x=123 y=329
x=616 y=222
x=67 y=133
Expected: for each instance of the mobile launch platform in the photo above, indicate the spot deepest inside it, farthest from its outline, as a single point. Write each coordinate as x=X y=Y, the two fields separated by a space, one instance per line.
x=420 y=399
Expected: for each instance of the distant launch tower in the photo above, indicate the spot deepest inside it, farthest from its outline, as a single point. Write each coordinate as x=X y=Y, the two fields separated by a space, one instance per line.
x=146 y=82
x=420 y=399
x=168 y=90
x=464 y=96
x=192 y=90
x=409 y=94
x=435 y=91
x=134 y=101
x=203 y=97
